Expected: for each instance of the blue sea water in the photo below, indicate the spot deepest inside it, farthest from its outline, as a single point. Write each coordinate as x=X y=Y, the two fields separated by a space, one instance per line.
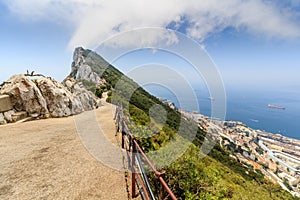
x=250 y=107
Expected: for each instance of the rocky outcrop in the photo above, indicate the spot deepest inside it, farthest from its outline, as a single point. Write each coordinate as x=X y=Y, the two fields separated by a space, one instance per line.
x=81 y=68
x=36 y=96
x=59 y=100
x=7 y=113
x=45 y=97
x=25 y=95
x=87 y=98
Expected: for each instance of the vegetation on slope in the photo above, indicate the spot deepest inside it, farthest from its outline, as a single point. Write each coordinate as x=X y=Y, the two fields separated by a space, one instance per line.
x=215 y=176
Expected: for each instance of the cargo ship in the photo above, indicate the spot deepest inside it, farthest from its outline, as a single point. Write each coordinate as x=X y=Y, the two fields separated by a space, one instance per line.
x=277 y=107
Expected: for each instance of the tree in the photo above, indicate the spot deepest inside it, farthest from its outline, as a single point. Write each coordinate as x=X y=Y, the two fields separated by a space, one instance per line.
x=99 y=92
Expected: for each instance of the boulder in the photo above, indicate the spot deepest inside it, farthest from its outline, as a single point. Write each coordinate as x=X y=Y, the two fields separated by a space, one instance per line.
x=81 y=94
x=20 y=116
x=5 y=103
x=25 y=95
x=45 y=97
x=2 y=120
x=9 y=115
x=57 y=97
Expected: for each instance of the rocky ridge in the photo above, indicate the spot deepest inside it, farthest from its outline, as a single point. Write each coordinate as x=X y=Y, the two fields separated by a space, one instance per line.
x=81 y=68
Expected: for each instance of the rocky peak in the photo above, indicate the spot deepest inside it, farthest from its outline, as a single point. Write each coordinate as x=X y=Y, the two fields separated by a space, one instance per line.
x=78 y=59
x=81 y=67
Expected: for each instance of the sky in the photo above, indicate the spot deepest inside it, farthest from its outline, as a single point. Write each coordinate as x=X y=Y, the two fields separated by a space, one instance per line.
x=252 y=43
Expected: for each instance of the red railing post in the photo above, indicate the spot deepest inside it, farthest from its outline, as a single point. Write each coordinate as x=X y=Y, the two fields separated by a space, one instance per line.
x=135 y=148
x=132 y=169
x=123 y=140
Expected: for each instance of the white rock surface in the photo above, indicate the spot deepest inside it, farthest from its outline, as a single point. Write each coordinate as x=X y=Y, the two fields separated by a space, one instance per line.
x=58 y=98
x=81 y=94
x=2 y=120
x=81 y=69
x=42 y=97
x=8 y=115
x=25 y=95
x=85 y=72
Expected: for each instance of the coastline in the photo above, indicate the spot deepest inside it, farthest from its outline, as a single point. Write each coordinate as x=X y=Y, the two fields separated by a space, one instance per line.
x=275 y=155
x=249 y=107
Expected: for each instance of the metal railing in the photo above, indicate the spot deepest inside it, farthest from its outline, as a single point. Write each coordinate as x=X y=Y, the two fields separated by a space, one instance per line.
x=136 y=158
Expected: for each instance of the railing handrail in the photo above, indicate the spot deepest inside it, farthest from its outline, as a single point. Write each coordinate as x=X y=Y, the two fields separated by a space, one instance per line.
x=136 y=149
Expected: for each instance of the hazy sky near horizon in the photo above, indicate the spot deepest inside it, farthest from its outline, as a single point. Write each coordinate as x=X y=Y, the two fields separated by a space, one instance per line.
x=251 y=42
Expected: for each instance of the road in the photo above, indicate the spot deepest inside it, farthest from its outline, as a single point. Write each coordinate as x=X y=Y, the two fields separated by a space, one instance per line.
x=45 y=159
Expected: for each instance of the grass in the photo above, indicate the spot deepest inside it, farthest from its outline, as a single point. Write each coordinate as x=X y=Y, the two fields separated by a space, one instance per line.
x=215 y=176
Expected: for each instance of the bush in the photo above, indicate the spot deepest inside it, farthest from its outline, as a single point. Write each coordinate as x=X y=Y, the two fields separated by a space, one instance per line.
x=215 y=176
x=99 y=92
x=89 y=85
x=108 y=100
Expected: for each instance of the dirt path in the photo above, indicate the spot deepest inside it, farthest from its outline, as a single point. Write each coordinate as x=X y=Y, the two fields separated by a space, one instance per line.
x=45 y=159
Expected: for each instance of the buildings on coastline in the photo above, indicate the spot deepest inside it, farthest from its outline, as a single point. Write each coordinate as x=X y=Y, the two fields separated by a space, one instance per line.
x=276 y=156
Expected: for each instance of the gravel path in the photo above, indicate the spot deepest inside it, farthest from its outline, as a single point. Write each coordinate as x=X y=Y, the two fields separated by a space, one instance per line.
x=45 y=159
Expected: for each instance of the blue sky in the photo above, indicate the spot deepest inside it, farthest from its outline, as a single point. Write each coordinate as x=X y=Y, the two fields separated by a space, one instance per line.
x=251 y=43
x=254 y=59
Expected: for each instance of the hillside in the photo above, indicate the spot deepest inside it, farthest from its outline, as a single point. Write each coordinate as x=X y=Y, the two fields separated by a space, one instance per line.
x=215 y=176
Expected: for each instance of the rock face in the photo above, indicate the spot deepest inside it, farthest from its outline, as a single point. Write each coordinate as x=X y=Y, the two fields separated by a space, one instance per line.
x=81 y=69
x=59 y=100
x=8 y=116
x=25 y=95
x=2 y=120
x=82 y=95
x=5 y=103
x=45 y=97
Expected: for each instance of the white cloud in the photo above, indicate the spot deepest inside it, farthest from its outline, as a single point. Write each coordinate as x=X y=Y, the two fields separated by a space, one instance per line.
x=145 y=37
x=96 y=20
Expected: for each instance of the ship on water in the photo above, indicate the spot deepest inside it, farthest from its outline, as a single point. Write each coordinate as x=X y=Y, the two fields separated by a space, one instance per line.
x=276 y=107
x=211 y=98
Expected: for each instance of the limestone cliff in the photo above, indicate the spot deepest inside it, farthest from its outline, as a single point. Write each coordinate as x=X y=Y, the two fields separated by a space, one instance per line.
x=82 y=67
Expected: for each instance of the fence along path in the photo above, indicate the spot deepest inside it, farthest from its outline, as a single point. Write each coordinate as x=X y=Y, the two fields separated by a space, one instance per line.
x=48 y=159
x=137 y=159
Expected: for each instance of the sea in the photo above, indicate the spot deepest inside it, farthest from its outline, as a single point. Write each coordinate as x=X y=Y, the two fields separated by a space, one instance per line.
x=249 y=106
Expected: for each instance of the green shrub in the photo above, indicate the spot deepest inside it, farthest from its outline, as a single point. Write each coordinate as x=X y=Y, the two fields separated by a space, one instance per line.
x=215 y=176
x=108 y=99
x=99 y=92
x=89 y=85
